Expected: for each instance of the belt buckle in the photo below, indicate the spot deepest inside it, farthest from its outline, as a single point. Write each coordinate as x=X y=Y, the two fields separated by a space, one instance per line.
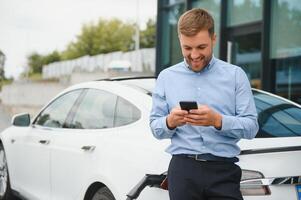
x=199 y=159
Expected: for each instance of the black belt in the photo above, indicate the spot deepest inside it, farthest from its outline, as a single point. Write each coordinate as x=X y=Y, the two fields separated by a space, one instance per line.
x=209 y=157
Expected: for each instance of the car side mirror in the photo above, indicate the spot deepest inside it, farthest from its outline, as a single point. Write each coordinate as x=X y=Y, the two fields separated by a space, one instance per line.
x=22 y=119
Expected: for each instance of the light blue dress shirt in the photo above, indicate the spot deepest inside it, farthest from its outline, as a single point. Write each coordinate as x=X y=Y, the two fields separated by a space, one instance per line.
x=223 y=87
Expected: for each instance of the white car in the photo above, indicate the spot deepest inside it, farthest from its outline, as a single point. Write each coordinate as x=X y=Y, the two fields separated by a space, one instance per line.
x=93 y=142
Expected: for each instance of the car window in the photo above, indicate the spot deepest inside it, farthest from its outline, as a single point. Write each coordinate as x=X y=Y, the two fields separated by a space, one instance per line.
x=55 y=114
x=126 y=113
x=95 y=111
x=276 y=117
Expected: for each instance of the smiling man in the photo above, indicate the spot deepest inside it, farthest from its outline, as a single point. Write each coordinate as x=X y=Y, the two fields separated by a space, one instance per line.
x=204 y=140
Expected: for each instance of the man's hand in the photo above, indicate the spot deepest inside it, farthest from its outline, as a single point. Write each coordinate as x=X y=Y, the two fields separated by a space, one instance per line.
x=204 y=116
x=176 y=118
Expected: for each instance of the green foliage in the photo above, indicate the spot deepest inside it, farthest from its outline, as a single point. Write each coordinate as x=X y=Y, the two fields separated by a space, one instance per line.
x=2 y=77
x=36 y=61
x=5 y=81
x=148 y=36
x=104 y=37
x=52 y=57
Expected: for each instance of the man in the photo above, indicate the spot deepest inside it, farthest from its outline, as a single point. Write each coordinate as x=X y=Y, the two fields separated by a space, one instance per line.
x=203 y=140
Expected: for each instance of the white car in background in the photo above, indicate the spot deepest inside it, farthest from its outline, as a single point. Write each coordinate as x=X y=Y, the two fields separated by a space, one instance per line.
x=93 y=142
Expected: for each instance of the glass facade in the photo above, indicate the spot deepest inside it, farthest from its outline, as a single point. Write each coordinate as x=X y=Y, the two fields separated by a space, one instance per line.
x=245 y=48
x=171 y=51
x=285 y=48
x=246 y=53
x=244 y=11
x=285 y=29
x=288 y=78
x=214 y=8
x=262 y=37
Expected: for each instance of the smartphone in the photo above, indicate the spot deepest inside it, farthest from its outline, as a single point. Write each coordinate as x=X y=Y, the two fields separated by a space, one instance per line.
x=188 y=105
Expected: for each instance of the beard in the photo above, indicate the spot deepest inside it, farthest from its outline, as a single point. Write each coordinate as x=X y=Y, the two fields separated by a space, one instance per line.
x=198 y=64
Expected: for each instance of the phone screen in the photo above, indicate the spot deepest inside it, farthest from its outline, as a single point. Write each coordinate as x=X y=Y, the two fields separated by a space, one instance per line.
x=188 y=105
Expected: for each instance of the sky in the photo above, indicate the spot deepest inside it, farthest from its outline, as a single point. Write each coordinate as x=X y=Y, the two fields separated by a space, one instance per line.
x=43 y=26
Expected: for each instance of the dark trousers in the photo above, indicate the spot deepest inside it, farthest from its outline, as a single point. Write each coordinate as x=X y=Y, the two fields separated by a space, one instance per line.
x=189 y=179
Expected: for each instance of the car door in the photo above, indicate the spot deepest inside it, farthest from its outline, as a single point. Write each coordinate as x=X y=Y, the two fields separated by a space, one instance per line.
x=274 y=156
x=133 y=150
x=76 y=151
x=31 y=157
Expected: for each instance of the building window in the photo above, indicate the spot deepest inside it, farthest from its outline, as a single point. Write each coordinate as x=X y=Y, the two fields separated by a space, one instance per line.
x=170 y=47
x=285 y=29
x=244 y=11
x=214 y=8
x=288 y=82
x=285 y=50
x=246 y=53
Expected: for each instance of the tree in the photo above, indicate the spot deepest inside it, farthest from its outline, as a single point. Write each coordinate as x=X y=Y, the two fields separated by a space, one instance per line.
x=104 y=37
x=36 y=61
x=2 y=77
x=2 y=61
x=52 y=57
x=148 y=36
x=114 y=35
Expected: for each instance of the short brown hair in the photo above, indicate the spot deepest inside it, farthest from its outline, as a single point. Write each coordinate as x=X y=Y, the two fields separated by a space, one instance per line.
x=193 y=21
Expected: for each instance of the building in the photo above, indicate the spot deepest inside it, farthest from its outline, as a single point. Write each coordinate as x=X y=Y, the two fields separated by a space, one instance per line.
x=261 y=36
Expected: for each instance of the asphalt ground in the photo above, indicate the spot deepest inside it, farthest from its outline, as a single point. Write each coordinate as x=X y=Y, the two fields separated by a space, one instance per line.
x=5 y=118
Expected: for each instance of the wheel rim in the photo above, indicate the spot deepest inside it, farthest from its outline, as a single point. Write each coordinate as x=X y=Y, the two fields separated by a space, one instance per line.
x=3 y=173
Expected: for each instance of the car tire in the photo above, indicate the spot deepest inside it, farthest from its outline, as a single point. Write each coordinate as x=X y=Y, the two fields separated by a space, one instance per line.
x=5 y=190
x=103 y=193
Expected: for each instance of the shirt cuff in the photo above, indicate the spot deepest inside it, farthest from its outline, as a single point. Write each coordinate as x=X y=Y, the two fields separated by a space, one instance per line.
x=227 y=123
x=166 y=129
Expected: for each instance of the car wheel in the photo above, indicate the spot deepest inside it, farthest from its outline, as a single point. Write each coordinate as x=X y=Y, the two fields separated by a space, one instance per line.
x=103 y=194
x=5 y=190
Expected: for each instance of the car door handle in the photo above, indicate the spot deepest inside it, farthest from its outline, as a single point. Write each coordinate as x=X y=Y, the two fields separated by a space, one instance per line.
x=88 y=148
x=44 y=142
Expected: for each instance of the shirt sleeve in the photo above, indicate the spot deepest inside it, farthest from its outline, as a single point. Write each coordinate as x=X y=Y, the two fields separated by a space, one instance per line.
x=244 y=124
x=159 y=112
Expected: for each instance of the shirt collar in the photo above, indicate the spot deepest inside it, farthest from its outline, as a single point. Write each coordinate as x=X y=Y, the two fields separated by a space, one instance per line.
x=206 y=68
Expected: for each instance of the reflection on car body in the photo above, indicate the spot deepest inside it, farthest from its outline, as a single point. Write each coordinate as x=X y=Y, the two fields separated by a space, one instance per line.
x=93 y=142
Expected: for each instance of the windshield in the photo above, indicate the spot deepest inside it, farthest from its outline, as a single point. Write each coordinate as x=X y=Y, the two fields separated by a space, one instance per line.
x=276 y=117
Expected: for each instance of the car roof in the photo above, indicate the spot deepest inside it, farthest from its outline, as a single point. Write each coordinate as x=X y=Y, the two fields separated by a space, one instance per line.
x=144 y=84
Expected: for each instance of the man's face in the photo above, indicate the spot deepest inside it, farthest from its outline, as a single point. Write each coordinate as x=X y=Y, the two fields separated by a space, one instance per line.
x=197 y=50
